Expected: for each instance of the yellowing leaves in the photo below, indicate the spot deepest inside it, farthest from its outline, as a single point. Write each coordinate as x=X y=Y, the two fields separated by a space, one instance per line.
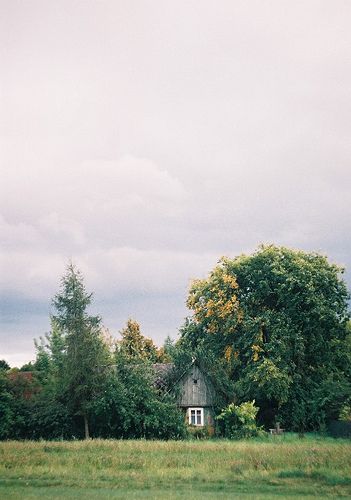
x=214 y=300
x=228 y=353
x=256 y=350
x=230 y=280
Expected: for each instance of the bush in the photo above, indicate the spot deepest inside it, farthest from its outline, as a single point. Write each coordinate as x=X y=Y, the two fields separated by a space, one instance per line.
x=345 y=413
x=239 y=421
x=130 y=407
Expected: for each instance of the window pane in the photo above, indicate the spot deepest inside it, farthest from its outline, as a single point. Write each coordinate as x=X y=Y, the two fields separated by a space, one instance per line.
x=192 y=417
x=198 y=417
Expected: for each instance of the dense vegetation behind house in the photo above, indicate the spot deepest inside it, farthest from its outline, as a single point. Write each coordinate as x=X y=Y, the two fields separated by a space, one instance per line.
x=272 y=327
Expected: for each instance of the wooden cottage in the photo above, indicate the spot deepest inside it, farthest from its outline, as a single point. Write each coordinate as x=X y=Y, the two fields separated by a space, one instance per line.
x=196 y=393
x=196 y=397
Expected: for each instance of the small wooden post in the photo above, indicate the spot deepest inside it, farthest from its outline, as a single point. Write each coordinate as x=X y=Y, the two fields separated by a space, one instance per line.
x=86 y=426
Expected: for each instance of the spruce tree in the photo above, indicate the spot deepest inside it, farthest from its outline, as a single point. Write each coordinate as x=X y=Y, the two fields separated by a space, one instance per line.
x=86 y=353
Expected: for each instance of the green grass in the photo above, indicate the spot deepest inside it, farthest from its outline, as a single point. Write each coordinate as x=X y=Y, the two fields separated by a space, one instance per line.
x=285 y=467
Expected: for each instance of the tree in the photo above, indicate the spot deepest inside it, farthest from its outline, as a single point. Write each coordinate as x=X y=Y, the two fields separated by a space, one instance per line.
x=4 y=366
x=131 y=406
x=278 y=317
x=168 y=350
x=51 y=354
x=6 y=408
x=134 y=345
x=86 y=355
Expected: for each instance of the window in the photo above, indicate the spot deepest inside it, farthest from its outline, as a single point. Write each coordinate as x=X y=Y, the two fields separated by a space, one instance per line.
x=196 y=416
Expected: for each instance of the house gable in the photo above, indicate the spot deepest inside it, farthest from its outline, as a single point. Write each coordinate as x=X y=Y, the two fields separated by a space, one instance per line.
x=196 y=389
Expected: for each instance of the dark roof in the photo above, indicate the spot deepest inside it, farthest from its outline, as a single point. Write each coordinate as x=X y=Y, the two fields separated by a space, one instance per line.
x=162 y=371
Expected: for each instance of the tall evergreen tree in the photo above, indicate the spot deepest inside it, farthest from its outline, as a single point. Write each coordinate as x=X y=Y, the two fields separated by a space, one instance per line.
x=86 y=353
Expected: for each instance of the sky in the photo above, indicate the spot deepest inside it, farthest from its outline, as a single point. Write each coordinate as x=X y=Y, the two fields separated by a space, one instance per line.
x=146 y=139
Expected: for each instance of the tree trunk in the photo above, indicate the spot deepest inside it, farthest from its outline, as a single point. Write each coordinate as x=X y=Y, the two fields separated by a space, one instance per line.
x=86 y=426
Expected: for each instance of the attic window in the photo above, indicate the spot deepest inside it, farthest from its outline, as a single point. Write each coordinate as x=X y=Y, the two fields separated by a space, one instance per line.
x=195 y=380
x=196 y=416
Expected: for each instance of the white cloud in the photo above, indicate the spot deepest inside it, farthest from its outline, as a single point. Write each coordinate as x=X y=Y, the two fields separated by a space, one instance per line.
x=146 y=141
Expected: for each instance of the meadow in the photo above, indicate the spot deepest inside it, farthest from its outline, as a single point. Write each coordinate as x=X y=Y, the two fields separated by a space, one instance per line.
x=286 y=467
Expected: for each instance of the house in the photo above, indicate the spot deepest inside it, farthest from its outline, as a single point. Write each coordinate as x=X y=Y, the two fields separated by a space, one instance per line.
x=195 y=393
x=197 y=397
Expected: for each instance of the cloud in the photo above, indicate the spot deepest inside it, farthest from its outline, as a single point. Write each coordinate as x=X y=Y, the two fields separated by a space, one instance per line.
x=145 y=142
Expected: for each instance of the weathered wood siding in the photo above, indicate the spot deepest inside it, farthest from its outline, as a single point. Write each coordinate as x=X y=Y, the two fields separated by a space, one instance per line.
x=197 y=393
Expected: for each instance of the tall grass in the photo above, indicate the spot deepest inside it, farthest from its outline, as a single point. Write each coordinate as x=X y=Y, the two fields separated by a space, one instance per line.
x=280 y=466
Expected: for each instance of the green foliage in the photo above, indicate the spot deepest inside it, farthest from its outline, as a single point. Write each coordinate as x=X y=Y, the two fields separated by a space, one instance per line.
x=6 y=408
x=27 y=367
x=130 y=406
x=86 y=354
x=75 y=376
x=215 y=369
x=271 y=381
x=134 y=345
x=15 y=405
x=72 y=302
x=271 y=327
x=345 y=413
x=278 y=319
x=239 y=421
x=51 y=419
x=4 y=366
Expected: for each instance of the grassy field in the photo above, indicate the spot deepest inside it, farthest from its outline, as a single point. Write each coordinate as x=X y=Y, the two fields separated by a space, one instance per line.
x=285 y=467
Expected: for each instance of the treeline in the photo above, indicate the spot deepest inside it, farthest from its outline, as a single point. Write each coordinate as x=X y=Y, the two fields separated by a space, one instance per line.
x=272 y=327
x=84 y=384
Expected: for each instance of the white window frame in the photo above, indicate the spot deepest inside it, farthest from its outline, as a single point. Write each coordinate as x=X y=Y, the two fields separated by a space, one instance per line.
x=201 y=410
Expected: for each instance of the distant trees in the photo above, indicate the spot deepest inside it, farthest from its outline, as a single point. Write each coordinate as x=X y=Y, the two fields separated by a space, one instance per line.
x=271 y=327
x=278 y=319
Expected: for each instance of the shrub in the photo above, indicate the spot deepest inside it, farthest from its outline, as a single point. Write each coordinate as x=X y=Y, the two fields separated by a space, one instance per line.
x=130 y=406
x=239 y=421
x=345 y=413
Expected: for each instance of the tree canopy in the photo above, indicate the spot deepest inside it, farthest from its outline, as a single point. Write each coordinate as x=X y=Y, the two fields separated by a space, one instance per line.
x=278 y=317
x=271 y=328
x=79 y=375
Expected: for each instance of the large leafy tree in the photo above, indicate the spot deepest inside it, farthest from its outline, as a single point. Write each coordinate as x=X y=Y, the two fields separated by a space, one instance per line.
x=86 y=354
x=278 y=317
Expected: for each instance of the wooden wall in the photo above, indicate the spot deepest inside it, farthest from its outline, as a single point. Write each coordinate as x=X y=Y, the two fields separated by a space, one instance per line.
x=193 y=393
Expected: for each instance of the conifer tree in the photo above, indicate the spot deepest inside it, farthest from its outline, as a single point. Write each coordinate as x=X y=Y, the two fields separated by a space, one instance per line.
x=86 y=353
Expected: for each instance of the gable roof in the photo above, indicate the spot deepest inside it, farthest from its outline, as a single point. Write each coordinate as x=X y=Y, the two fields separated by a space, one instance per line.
x=162 y=372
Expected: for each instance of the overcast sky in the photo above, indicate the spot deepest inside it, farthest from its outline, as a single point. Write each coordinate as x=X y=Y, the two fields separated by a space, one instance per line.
x=146 y=139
